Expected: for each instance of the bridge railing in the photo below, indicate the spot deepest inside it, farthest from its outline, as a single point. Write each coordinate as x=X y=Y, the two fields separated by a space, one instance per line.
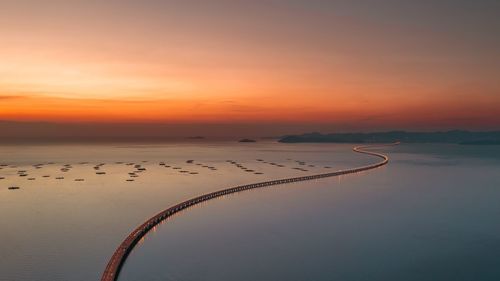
x=118 y=258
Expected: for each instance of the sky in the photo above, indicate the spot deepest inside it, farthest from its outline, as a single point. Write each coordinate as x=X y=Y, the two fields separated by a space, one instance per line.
x=285 y=66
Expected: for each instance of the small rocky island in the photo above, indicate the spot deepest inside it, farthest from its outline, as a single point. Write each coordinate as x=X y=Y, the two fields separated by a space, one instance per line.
x=247 y=140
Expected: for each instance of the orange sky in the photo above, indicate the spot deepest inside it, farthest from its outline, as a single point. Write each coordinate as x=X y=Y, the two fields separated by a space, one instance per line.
x=234 y=61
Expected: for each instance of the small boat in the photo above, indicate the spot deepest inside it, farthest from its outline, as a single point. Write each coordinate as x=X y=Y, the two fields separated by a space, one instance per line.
x=194 y=173
x=46 y=176
x=13 y=187
x=1 y=178
x=79 y=179
x=189 y=161
x=59 y=178
x=129 y=179
x=31 y=179
x=100 y=173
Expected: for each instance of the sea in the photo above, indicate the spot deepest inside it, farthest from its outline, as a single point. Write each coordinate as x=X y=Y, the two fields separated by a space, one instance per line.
x=432 y=213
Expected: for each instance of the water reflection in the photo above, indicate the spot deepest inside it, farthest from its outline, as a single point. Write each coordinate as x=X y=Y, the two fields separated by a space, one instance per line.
x=54 y=228
x=406 y=221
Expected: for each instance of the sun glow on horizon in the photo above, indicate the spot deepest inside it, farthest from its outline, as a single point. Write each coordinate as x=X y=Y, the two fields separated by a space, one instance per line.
x=131 y=63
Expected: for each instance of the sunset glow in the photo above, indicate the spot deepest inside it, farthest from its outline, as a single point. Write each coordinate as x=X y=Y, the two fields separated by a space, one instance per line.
x=269 y=140
x=195 y=65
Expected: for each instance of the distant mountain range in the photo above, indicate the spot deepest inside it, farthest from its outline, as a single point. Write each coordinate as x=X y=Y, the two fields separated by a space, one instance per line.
x=455 y=136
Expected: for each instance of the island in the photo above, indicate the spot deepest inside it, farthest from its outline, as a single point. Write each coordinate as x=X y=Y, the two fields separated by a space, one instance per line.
x=455 y=136
x=482 y=142
x=247 y=140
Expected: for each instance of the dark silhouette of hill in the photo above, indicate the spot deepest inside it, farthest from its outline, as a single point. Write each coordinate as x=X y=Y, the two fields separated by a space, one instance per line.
x=482 y=142
x=455 y=136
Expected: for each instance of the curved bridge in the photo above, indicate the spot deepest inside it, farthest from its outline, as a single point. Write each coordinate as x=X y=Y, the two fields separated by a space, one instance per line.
x=115 y=263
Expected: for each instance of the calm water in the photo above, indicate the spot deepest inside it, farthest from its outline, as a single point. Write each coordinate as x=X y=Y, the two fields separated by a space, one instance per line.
x=431 y=214
x=54 y=229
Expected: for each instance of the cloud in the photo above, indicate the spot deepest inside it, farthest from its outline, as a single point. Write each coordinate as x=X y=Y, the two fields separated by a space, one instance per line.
x=11 y=97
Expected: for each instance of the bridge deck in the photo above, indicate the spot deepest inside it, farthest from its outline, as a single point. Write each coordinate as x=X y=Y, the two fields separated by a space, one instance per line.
x=120 y=255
